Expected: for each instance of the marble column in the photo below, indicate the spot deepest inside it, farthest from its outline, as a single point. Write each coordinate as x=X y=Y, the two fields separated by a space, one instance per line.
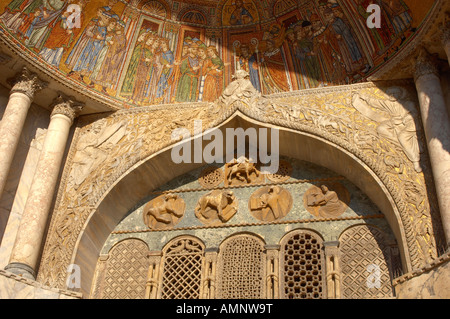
x=24 y=85
x=437 y=130
x=27 y=247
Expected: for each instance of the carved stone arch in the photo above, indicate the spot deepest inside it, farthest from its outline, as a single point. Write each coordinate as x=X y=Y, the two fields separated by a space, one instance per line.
x=368 y=263
x=302 y=265
x=181 y=268
x=241 y=267
x=121 y=191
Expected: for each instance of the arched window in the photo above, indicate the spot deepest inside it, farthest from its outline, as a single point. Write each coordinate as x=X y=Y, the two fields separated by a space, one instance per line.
x=302 y=266
x=241 y=268
x=125 y=272
x=365 y=263
x=182 y=268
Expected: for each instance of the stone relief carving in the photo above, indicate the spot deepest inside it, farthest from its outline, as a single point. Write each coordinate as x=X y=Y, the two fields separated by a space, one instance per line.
x=242 y=171
x=395 y=118
x=270 y=203
x=240 y=89
x=164 y=211
x=94 y=147
x=26 y=82
x=326 y=201
x=327 y=113
x=216 y=207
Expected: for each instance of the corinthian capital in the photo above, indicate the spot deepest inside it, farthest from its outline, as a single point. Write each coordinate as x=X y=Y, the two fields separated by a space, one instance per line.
x=66 y=105
x=26 y=82
x=426 y=63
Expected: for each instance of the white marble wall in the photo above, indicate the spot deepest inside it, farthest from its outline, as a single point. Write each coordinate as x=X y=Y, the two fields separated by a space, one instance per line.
x=21 y=174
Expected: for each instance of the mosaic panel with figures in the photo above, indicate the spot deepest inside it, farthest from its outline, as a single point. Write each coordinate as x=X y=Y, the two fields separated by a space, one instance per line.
x=151 y=52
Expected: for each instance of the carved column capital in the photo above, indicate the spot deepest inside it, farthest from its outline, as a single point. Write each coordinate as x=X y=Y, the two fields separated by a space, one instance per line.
x=26 y=82
x=426 y=63
x=66 y=105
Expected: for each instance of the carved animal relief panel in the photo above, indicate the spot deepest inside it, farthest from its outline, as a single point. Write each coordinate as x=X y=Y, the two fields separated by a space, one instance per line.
x=270 y=203
x=164 y=211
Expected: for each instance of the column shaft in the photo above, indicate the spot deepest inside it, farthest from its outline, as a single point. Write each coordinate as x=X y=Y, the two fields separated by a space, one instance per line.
x=24 y=86
x=437 y=131
x=27 y=247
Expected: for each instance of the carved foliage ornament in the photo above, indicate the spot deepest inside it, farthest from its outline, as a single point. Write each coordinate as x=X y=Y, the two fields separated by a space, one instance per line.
x=26 y=82
x=67 y=106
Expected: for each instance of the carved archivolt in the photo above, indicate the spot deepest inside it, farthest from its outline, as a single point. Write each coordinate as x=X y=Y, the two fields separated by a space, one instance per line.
x=129 y=136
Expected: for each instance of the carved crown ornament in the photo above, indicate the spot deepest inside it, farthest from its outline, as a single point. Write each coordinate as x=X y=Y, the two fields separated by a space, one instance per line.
x=108 y=147
x=66 y=105
x=26 y=82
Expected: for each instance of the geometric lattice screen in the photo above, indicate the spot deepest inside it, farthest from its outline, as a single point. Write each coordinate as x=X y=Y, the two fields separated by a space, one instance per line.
x=126 y=270
x=241 y=268
x=182 y=270
x=365 y=264
x=302 y=266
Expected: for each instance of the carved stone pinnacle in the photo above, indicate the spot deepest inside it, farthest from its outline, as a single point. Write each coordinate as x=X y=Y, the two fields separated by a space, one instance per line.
x=26 y=82
x=67 y=105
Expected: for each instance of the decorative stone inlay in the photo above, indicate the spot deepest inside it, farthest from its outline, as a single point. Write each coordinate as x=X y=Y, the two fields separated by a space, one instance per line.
x=211 y=177
x=283 y=174
x=26 y=82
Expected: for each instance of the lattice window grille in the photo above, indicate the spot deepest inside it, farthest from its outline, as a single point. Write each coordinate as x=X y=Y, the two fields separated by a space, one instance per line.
x=182 y=269
x=361 y=247
x=241 y=268
x=126 y=271
x=302 y=263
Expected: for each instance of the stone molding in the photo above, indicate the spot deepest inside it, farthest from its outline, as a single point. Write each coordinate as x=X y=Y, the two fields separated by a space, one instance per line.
x=26 y=82
x=417 y=272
